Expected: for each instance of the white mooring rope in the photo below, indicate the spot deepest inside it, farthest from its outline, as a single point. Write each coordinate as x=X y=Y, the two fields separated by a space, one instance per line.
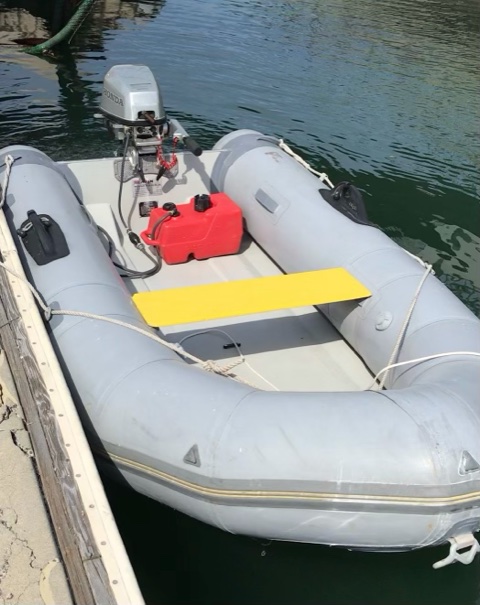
x=391 y=362
x=8 y=169
x=321 y=175
x=384 y=372
x=208 y=365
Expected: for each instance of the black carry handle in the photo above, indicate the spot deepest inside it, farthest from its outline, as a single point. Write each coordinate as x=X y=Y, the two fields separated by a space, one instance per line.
x=192 y=145
x=45 y=239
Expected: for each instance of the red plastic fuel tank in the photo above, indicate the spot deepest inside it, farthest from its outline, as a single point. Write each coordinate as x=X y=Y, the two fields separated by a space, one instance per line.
x=208 y=225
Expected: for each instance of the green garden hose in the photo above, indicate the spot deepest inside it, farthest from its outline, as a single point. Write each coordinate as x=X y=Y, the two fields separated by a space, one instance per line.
x=67 y=31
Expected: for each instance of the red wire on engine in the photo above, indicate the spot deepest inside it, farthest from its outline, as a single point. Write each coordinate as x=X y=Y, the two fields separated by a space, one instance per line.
x=161 y=161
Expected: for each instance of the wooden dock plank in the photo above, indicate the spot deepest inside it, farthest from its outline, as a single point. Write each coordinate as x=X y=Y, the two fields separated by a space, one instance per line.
x=87 y=576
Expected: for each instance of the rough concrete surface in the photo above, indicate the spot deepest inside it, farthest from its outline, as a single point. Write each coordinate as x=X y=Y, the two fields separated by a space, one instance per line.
x=31 y=572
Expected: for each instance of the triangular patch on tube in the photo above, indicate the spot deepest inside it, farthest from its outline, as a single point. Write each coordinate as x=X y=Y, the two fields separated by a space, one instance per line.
x=468 y=464
x=192 y=456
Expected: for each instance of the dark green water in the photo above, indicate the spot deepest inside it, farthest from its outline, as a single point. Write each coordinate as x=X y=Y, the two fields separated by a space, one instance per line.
x=381 y=92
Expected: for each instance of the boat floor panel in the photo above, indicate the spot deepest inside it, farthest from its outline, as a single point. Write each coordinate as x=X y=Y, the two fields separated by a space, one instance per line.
x=294 y=349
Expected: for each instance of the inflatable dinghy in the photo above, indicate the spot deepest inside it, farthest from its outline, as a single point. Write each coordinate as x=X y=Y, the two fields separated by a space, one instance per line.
x=243 y=345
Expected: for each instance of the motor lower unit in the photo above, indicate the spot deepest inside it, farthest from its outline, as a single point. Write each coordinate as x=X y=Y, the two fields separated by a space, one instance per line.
x=207 y=226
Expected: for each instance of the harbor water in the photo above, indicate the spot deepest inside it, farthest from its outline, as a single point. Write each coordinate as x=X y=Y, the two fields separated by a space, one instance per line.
x=382 y=93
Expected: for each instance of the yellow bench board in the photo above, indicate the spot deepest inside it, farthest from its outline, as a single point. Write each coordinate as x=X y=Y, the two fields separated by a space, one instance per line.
x=242 y=297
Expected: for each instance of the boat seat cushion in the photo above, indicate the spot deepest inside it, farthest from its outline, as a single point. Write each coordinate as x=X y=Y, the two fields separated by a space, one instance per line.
x=190 y=304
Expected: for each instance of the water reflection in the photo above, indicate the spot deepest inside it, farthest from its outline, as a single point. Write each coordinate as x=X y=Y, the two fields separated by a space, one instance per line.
x=19 y=22
x=51 y=101
x=106 y=12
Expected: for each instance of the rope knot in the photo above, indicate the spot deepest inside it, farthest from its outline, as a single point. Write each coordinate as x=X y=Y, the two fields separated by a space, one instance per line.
x=211 y=366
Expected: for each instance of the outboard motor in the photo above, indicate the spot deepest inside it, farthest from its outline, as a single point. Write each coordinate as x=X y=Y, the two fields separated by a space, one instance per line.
x=131 y=98
x=132 y=106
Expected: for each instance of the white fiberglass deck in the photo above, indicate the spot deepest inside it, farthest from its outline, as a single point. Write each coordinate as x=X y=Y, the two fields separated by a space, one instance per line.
x=295 y=349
